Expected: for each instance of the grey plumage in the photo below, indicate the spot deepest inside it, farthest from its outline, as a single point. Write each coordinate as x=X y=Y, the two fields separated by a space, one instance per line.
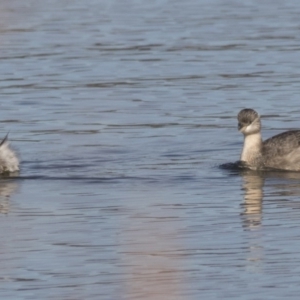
x=247 y=116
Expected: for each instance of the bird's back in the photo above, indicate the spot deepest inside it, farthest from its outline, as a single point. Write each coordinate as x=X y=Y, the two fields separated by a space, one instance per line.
x=282 y=151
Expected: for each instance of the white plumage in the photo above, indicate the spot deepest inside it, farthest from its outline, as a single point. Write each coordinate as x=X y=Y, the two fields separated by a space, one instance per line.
x=9 y=161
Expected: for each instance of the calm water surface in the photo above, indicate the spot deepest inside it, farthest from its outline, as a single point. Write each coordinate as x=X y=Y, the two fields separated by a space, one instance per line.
x=122 y=112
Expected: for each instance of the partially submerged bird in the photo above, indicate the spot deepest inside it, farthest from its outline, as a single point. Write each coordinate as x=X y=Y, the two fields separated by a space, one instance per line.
x=9 y=161
x=281 y=152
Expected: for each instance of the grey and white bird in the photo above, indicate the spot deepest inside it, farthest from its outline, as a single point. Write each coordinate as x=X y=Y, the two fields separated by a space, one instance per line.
x=281 y=152
x=9 y=161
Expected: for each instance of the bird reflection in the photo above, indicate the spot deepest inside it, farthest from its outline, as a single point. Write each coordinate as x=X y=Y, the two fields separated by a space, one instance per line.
x=7 y=188
x=252 y=217
x=282 y=184
x=253 y=187
x=278 y=185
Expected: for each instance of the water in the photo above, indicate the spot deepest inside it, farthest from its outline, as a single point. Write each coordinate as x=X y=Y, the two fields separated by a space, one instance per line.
x=122 y=112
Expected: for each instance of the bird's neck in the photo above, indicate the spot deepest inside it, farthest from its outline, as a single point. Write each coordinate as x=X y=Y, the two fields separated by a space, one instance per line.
x=252 y=148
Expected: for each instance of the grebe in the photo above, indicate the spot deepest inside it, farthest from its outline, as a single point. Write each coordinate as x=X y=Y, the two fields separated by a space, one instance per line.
x=280 y=152
x=9 y=161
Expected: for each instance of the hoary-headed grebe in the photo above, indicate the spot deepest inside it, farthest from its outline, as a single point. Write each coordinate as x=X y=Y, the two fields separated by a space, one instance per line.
x=281 y=151
x=9 y=161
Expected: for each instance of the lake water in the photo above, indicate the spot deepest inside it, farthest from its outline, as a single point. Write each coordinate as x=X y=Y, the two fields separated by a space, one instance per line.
x=122 y=112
